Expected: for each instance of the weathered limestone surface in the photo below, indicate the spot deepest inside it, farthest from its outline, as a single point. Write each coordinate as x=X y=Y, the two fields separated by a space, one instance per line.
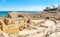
x=19 y=25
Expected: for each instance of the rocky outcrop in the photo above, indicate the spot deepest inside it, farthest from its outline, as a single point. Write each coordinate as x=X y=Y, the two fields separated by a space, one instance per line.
x=44 y=24
x=17 y=15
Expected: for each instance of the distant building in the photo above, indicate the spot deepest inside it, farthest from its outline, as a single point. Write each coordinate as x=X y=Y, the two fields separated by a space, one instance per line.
x=52 y=10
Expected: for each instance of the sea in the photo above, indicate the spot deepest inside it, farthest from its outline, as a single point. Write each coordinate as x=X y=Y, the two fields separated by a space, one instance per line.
x=5 y=13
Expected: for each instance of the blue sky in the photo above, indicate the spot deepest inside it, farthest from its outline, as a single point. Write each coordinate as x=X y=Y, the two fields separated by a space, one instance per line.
x=26 y=5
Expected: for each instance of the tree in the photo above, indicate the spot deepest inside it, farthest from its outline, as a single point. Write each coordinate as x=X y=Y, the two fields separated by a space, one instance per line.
x=47 y=7
x=53 y=6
